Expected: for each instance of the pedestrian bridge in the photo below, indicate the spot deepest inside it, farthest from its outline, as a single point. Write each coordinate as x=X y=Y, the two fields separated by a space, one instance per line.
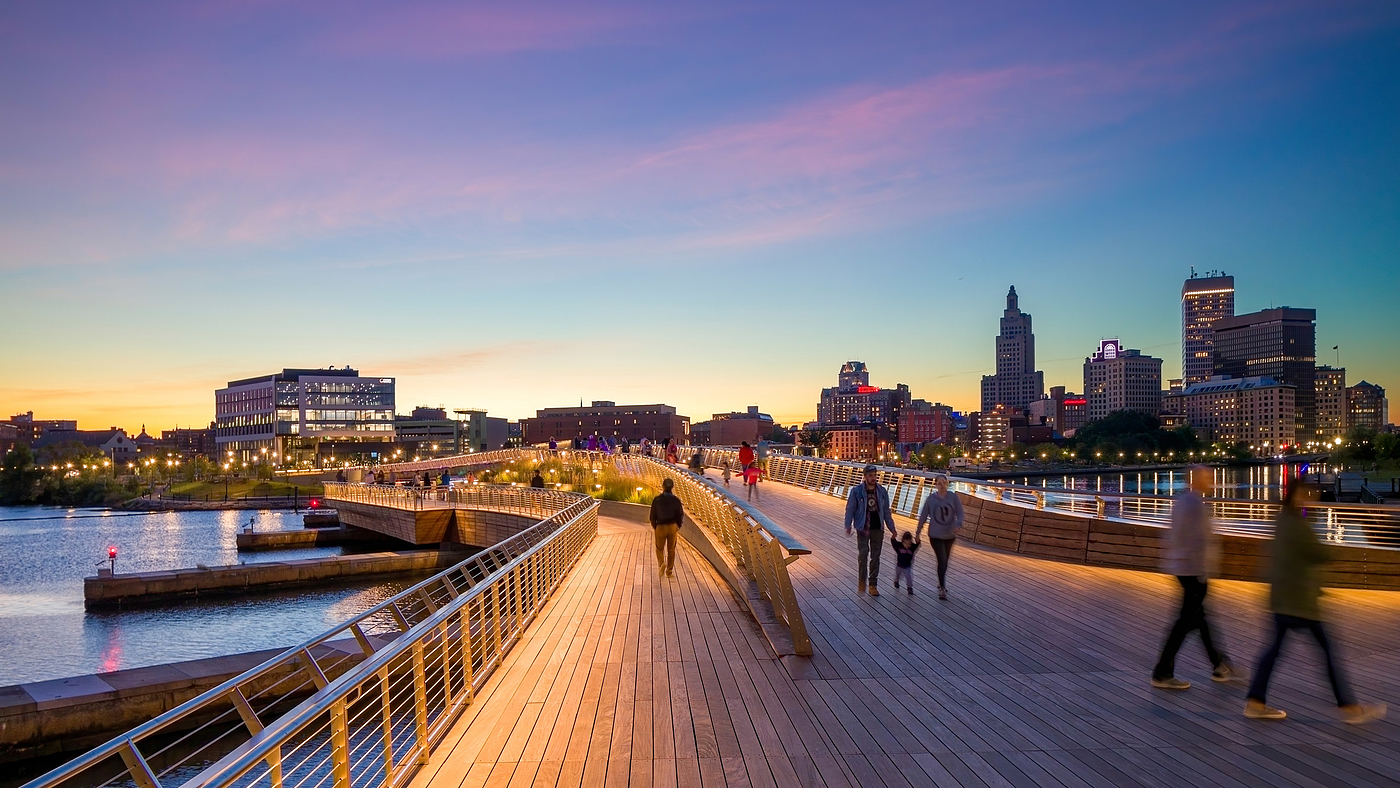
x=560 y=657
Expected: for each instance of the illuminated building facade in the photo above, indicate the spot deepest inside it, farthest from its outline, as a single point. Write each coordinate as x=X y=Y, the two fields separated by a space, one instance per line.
x=1119 y=379
x=304 y=416
x=1204 y=300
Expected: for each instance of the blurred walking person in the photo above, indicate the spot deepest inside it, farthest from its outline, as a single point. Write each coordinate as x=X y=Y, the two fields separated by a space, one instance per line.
x=666 y=516
x=751 y=476
x=746 y=455
x=1294 y=590
x=943 y=511
x=1192 y=555
x=868 y=514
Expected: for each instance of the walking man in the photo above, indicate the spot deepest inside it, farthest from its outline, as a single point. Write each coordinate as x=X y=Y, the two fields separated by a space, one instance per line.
x=1294 y=589
x=666 y=516
x=868 y=513
x=1192 y=554
x=943 y=511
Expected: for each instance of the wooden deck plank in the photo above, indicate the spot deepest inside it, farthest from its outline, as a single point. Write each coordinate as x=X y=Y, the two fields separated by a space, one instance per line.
x=1033 y=673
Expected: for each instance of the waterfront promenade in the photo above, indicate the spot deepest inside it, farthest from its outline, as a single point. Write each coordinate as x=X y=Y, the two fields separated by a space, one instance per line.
x=1033 y=674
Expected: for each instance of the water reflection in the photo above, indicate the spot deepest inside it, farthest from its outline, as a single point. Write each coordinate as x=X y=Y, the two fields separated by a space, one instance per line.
x=45 y=553
x=1251 y=482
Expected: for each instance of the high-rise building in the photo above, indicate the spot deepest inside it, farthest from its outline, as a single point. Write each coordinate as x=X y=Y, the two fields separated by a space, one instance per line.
x=1118 y=379
x=1017 y=382
x=1257 y=411
x=304 y=415
x=989 y=433
x=1276 y=343
x=1367 y=406
x=855 y=401
x=1330 y=399
x=1204 y=300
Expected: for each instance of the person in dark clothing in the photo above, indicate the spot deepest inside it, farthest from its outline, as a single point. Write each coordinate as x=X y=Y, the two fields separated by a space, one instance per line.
x=1294 y=590
x=666 y=516
x=697 y=463
x=904 y=549
x=537 y=480
x=868 y=514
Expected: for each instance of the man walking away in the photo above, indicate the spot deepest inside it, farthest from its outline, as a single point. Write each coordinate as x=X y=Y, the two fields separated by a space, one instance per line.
x=537 y=480
x=943 y=511
x=868 y=513
x=1294 y=589
x=697 y=464
x=666 y=516
x=746 y=455
x=1192 y=554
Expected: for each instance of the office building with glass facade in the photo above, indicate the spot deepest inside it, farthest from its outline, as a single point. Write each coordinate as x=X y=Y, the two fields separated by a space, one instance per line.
x=1204 y=300
x=304 y=417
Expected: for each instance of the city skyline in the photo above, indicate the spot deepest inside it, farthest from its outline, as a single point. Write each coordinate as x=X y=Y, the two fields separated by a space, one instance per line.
x=521 y=209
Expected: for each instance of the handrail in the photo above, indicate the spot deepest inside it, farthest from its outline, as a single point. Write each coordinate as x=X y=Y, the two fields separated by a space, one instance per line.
x=238 y=706
x=364 y=726
x=1375 y=526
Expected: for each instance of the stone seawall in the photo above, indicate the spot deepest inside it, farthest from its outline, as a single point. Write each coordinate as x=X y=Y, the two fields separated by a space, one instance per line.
x=308 y=537
x=155 y=586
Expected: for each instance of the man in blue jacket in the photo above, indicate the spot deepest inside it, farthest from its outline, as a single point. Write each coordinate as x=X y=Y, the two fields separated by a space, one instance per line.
x=868 y=513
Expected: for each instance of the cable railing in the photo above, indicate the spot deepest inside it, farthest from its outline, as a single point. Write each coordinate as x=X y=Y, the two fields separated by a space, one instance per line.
x=525 y=501
x=383 y=686
x=1351 y=524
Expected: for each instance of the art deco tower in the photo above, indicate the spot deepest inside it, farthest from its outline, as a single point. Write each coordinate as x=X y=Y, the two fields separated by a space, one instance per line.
x=1017 y=381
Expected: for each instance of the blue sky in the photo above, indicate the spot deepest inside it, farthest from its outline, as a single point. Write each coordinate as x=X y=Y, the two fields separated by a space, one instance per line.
x=711 y=205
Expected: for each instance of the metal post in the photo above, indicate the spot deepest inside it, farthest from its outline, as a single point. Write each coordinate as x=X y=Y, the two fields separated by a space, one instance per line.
x=420 y=702
x=386 y=721
x=340 y=745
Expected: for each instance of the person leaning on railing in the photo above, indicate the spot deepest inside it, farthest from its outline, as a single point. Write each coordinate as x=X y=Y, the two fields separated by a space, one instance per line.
x=666 y=516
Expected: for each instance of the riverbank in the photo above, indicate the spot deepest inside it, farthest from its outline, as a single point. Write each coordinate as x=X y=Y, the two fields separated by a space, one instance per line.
x=122 y=590
x=293 y=504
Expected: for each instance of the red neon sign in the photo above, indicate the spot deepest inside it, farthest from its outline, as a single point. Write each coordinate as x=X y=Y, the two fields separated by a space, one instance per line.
x=867 y=389
x=1076 y=402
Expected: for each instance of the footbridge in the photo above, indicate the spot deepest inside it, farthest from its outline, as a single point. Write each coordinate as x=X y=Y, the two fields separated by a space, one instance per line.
x=560 y=657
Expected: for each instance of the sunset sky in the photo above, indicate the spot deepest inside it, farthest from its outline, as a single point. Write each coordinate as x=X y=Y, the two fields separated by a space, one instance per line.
x=710 y=204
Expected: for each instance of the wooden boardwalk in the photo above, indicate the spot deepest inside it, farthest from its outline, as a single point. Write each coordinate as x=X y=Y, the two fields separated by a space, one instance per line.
x=1033 y=674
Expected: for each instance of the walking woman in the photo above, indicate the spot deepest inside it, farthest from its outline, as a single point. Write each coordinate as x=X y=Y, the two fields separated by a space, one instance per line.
x=1294 y=590
x=943 y=511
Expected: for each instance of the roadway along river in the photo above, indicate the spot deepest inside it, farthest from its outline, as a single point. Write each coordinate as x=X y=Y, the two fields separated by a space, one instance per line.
x=45 y=553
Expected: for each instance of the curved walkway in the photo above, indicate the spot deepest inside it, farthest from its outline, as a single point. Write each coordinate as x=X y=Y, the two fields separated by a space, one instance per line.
x=1033 y=674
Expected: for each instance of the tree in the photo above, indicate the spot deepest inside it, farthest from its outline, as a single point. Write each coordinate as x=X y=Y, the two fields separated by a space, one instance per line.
x=779 y=435
x=1128 y=432
x=19 y=477
x=819 y=439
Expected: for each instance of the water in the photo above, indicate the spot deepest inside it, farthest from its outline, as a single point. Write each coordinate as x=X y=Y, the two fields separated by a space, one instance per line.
x=1247 y=482
x=45 y=553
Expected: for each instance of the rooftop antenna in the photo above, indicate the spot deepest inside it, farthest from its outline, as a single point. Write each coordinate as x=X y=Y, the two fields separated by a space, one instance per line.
x=1193 y=272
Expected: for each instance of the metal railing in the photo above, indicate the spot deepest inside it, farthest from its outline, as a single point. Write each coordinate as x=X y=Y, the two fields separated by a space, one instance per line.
x=525 y=501
x=384 y=686
x=757 y=543
x=1361 y=525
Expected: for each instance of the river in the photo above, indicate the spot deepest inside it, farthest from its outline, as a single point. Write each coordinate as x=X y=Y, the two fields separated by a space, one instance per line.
x=1248 y=482
x=45 y=553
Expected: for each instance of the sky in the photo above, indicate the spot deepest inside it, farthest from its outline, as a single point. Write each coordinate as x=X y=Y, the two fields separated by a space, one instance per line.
x=713 y=204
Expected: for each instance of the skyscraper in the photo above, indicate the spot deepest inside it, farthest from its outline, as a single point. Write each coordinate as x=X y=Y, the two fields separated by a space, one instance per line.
x=1204 y=300
x=1331 y=402
x=1277 y=343
x=1017 y=382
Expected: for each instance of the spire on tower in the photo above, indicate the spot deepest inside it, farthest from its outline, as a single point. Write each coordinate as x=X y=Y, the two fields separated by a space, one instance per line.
x=1011 y=298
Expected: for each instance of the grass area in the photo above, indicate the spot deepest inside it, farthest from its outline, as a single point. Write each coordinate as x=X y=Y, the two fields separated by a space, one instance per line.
x=241 y=488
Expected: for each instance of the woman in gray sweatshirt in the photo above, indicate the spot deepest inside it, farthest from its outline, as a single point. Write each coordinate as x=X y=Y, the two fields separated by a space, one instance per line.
x=943 y=511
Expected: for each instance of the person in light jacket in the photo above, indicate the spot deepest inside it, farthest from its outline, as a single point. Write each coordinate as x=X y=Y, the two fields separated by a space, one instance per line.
x=1192 y=554
x=943 y=511
x=868 y=514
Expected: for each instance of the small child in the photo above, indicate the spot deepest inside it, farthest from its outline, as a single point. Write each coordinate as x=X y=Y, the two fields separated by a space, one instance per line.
x=904 y=549
x=751 y=479
x=725 y=473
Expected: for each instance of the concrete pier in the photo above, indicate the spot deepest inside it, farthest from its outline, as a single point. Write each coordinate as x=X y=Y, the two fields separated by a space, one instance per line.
x=309 y=537
x=155 y=586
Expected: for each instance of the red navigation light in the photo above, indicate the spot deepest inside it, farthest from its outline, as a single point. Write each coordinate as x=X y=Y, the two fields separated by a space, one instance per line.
x=315 y=503
x=112 y=552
